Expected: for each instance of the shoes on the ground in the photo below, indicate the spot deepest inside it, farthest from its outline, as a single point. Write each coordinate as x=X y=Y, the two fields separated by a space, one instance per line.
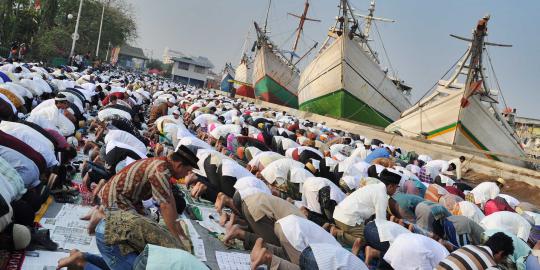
x=65 y=190
x=64 y=198
x=41 y=239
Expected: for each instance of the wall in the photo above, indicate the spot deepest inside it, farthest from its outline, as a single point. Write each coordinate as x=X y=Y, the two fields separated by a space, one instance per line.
x=190 y=73
x=436 y=151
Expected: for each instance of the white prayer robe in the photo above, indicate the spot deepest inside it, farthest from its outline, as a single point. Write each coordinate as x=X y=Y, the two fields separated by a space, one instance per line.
x=362 y=204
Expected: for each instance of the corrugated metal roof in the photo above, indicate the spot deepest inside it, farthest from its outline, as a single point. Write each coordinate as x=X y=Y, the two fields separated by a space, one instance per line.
x=527 y=120
x=132 y=51
x=199 y=60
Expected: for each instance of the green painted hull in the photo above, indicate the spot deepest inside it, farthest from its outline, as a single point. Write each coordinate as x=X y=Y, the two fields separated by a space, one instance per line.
x=269 y=90
x=342 y=104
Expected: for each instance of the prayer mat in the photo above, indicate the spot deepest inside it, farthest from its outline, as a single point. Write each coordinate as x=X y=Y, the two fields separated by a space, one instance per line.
x=85 y=195
x=11 y=260
x=43 y=210
x=195 y=202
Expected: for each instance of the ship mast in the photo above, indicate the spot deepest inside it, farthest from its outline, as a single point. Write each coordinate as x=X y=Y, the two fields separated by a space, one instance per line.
x=345 y=18
x=303 y=18
x=266 y=19
x=369 y=19
x=243 y=57
x=475 y=81
x=475 y=76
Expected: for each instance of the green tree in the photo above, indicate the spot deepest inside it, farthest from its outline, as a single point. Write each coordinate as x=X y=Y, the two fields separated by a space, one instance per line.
x=48 y=30
x=51 y=44
x=167 y=70
x=18 y=21
x=154 y=64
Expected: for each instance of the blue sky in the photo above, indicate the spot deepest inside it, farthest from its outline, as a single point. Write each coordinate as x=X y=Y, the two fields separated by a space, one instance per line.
x=418 y=44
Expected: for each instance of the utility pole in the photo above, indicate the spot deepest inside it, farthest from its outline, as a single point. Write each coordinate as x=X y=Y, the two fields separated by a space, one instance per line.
x=100 y=27
x=108 y=49
x=75 y=35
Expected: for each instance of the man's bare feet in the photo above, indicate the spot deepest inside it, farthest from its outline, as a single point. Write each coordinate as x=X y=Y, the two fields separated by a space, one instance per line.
x=356 y=246
x=98 y=188
x=89 y=214
x=84 y=165
x=74 y=261
x=97 y=216
x=260 y=255
x=327 y=226
x=85 y=179
x=304 y=211
x=223 y=218
x=334 y=230
x=370 y=254
x=232 y=231
x=220 y=200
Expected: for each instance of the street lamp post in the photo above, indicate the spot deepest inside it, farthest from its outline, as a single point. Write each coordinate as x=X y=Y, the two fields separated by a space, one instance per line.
x=100 y=27
x=75 y=35
x=108 y=49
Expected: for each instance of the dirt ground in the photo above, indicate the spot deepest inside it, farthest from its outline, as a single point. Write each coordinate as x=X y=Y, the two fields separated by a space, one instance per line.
x=520 y=190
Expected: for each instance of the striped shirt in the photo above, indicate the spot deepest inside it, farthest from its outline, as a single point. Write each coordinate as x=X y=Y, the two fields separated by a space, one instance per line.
x=469 y=258
x=141 y=180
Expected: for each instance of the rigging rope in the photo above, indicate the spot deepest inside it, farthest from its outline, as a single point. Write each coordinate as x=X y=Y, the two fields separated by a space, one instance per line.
x=384 y=49
x=446 y=73
x=496 y=79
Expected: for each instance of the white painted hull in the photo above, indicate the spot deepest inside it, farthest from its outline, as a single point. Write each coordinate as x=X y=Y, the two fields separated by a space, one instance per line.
x=475 y=126
x=268 y=64
x=345 y=65
x=243 y=74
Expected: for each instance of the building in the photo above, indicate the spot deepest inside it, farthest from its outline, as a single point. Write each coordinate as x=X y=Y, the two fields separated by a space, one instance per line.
x=213 y=80
x=168 y=55
x=528 y=130
x=190 y=70
x=131 y=58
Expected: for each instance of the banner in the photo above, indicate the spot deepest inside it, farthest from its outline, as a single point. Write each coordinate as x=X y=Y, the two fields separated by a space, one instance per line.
x=114 y=55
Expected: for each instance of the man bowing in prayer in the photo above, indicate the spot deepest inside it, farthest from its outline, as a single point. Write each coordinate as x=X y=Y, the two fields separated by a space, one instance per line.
x=149 y=178
x=351 y=213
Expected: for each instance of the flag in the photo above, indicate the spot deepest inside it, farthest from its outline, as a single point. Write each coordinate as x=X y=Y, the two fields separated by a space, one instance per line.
x=114 y=55
x=473 y=88
x=37 y=4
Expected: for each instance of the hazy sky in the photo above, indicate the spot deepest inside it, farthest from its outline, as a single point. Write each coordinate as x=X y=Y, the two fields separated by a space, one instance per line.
x=418 y=44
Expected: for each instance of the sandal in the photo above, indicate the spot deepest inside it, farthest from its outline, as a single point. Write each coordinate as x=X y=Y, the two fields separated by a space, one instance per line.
x=41 y=239
x=64 y=198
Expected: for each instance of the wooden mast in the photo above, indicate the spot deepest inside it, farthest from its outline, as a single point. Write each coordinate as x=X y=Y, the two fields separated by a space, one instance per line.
x=243 y=57
x=303 y=18
x=267 y=13
x=475 y=81
x=369 y=19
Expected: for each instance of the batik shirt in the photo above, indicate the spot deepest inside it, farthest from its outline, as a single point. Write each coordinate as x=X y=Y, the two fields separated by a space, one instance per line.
x=139 y=181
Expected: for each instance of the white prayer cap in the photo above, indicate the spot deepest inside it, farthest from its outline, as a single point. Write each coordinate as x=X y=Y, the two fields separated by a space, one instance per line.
x=72 y=141
x=413 y=168
x=424 y=158
x=61 y=97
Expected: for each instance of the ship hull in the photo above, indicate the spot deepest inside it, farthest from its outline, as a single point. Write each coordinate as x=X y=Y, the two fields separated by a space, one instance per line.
x=344 y=82
x=275 y=82
x=244 y=75
x=474 y=126
x=245 y=91
x=225 y=85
